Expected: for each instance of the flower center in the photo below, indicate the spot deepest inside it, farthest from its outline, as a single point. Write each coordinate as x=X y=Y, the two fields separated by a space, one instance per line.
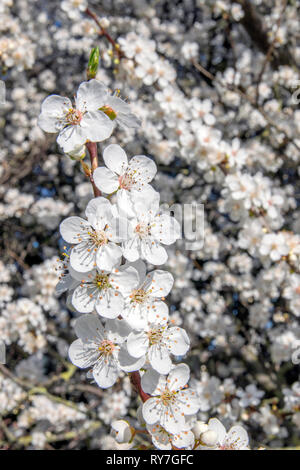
x=98 y=237
x=142 y=230
x=101 y=281
x=109 y=112
x=155 y=335
x=168 y=397
x=126 y=181
x=106 y=347
x=297 y=290
x=74 y=116
x=139 y=296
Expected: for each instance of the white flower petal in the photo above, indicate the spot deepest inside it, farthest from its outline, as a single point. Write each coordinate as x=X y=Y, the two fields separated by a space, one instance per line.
x=71 y=137
x=83 y=299
x=106 y=372
x=105 y=180
x=178 y=377
x=179 y=341
x=53 y=111
x=108 y=256
x=143 y=169
x=129 y=363
x=153 y=252
x=72 y=228
x=151 y=412
x=89 y=327
x=115 y=158
x=97 y=126
x=159 y=283
x=79 y=355
x=137 y=344
x=91 y=95
x=215 y=425
x=82 y=260
x=159 y=359
x=165 y=229
x=110 y=304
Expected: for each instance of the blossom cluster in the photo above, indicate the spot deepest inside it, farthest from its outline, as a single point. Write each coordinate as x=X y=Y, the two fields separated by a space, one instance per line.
x=220 y=118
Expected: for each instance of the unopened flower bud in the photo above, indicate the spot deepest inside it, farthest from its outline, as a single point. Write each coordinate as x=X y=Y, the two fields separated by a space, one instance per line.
x=199 y=428
x=93 y=63
x=104 y=22
x=121 y=431
x=209 y=438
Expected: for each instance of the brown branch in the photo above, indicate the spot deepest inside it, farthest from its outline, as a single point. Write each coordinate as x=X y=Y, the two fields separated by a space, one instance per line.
x=92 y=148
x=136 y=382
x=103 y=32
x=250 y=100
x=254 y=25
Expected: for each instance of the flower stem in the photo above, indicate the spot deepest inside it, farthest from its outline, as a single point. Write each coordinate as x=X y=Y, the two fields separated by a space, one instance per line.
x=136 y=382
x=92 y=148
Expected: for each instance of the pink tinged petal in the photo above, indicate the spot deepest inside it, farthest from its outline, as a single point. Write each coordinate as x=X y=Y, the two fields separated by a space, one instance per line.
x=53 y=111
x=108 y=256
x=215 y=425
x=105 y=180
x=189 y=402
x=151 y=411
x=96 y=126
x=89 y=328
x=153 y=252
x=143 y=169
x=109 y=304
x=106 y=371
x=178 y=377
x=159 y=283
x=165 y=229
x=81 y=259
x=178 y=341
x=137 y=344
x=80 y=356
x=71 y=137
x=128 y=363
x=72 y=228
x=91 y=95
x=83 y=299
x=159 y=359
x=115 y=159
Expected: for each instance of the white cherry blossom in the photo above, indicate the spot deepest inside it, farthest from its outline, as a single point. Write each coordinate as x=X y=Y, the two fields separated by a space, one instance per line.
x=147 y=230
x=102 y=349
x=77 y=125
x=95 y=240
x=157 y=341
x=146 y=294
x=170 y=400
x=164 y=440
x=100 y=290
x=128 y=178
